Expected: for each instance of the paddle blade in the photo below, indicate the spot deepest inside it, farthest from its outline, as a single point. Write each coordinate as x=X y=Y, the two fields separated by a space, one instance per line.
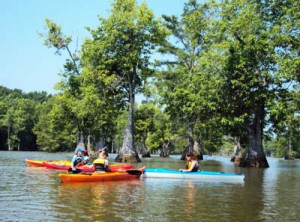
x=134 y=172
x=74 y=171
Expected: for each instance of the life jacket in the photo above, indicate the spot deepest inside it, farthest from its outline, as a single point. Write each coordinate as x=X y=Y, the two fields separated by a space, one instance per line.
x=99 y=165
x=196 y=167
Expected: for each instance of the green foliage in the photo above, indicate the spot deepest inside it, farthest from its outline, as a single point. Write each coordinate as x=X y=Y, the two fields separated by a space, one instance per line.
x=144 y=121
x=55 y=38
x=55 y=130
x=88 y=104
x=246 y=51
x=18 y=112
x=117 y=57
x=247 y=59
x=120 y=49
x=189 y=88
x=160 y=133
x=120 y=124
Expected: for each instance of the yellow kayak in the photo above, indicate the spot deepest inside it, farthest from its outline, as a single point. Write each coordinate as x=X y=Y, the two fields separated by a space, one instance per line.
x=42 y=163
x=35 y=163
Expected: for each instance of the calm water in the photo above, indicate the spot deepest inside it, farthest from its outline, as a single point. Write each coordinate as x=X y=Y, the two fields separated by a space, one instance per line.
x=36 y=194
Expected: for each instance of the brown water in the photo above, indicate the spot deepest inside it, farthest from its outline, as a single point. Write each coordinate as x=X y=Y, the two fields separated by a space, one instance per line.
x=37 y=194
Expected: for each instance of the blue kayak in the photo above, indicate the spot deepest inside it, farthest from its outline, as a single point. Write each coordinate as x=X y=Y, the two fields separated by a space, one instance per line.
x=202 y=175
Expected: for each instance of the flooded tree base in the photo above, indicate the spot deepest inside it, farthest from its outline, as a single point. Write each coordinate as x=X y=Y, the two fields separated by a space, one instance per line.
x=164 y=155
x=128 y=158
x=289 y=157
x=252 y=160
x=146 y=155
x=199 y=156
x=236 y=160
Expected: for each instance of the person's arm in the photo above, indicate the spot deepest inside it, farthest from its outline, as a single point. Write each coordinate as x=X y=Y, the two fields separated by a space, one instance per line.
x=190 y=169
x=85 y=159
x=106 y=165
x=73 y=161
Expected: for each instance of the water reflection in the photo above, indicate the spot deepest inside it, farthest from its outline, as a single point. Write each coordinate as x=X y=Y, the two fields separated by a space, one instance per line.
x=103 y=200
x=179 y=200
x=189 y=198
x=281 y=191
x=252 y=199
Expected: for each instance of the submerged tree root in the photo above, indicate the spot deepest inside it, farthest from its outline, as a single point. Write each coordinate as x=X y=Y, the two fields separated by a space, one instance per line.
x=128 y=158
x=253 y=160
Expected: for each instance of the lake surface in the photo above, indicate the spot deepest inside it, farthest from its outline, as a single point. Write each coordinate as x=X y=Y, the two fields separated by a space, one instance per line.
x=37 y=194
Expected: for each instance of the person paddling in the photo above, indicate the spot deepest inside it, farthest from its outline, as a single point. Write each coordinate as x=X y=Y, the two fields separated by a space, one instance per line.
x=77 y=159
x=102 y=164
x=192 y=164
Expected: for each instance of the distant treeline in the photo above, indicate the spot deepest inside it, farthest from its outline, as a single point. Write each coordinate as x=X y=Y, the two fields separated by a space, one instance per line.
x=18 y=116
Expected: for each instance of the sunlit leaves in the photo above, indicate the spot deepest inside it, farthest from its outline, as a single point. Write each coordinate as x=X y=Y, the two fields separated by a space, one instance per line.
x=55 y=38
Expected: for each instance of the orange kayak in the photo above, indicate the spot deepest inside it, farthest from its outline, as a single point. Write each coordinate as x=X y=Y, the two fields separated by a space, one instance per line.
x=131 y=174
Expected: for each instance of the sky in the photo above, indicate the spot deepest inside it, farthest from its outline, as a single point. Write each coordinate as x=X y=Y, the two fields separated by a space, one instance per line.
x=25 y=62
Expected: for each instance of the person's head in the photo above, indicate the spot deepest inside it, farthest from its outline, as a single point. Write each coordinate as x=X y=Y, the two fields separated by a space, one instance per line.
x=190 y=156
x=85 y=153
x=104 y=154
x=79 y=152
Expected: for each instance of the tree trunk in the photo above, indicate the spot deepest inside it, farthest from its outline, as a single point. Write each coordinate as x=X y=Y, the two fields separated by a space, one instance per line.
x=237 y=154
x=80 y=138
x=255 y=156
x=101 y=143
x=192 y=146
x=89 y=149
x=164 y=150
x=190 y=142
x=289 y=155
x=144 y=152
x=10 y=147
x=127 y=153
x=198 y=150
x=112 y=146
x=79 y=145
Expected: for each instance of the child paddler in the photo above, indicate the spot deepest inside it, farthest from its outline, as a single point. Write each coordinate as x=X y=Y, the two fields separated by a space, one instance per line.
x=192 y=164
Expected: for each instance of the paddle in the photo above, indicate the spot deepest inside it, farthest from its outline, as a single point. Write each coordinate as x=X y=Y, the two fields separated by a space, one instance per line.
x=135 y=171
x=70 y=170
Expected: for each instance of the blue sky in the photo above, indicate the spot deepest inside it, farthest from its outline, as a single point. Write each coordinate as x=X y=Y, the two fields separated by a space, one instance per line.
x=26 y=63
